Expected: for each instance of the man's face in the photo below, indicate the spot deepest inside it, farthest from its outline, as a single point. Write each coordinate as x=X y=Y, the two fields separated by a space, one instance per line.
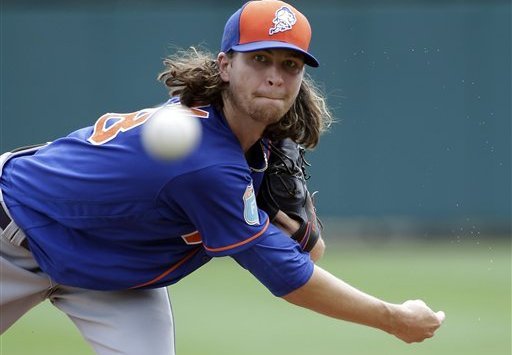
x=264 y=84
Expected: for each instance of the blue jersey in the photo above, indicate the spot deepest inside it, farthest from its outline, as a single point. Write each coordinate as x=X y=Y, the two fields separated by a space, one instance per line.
x=100 y=213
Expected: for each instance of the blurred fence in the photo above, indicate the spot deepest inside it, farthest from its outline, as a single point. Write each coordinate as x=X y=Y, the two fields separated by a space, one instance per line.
x=421 y=91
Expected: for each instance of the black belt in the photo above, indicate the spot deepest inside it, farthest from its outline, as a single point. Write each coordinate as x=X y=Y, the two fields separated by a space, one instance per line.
x=5 y=220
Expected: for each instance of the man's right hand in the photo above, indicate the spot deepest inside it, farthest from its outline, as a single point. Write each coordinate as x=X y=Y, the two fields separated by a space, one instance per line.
x=414 y=321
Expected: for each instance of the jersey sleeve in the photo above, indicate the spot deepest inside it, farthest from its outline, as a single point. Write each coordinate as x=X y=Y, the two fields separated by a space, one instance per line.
x=221 y=203
x=277 y=262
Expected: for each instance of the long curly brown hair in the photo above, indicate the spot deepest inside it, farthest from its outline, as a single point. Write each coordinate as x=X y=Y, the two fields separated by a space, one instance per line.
x=194 y=76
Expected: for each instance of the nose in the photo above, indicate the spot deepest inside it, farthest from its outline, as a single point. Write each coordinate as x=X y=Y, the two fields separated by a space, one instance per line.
x=274 y=76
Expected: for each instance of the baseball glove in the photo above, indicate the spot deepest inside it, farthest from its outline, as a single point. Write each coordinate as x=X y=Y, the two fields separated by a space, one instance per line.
x=284 y=188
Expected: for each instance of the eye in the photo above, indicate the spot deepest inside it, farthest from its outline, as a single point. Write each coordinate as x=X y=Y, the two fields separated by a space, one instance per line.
x=290 y=64
x=260 y=58
x=293 y=65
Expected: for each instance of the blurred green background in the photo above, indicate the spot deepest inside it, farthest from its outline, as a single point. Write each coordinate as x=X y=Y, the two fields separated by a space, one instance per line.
x=223 y=310
x=414 y=178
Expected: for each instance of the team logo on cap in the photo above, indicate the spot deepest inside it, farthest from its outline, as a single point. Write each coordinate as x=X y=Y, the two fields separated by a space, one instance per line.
x=283 y=21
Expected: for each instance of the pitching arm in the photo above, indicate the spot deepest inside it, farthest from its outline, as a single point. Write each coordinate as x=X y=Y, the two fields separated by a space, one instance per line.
x=412 y=321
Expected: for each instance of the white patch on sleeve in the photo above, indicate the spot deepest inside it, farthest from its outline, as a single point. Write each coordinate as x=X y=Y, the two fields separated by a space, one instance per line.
x=251 y=215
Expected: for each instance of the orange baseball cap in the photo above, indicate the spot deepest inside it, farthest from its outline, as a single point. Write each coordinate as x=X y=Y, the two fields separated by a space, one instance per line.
x=267 y=24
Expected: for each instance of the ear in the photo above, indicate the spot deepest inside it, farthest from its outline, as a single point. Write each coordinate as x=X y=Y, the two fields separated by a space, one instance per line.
x=223 y=62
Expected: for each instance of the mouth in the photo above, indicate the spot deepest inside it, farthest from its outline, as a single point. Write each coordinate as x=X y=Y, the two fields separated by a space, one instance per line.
x=269 y=97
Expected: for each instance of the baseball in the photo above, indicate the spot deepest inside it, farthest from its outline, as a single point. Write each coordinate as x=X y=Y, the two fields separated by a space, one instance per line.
x=171 y=133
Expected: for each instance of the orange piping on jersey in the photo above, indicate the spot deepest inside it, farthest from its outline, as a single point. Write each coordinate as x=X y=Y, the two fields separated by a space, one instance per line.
x=240 y=243
x=167 y=272
x=197 y=112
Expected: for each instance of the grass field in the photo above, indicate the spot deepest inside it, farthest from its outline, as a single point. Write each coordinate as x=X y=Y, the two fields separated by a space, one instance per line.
x=222 y=310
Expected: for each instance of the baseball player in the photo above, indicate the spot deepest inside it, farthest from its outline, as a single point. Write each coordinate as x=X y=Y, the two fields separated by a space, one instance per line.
x=94 y=224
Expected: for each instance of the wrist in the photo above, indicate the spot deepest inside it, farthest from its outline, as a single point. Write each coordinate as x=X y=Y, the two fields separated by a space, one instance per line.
x=286 y=223
x=392 y=318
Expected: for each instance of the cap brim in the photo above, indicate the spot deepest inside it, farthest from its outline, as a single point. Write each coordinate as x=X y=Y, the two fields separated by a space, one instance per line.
x=254 y=46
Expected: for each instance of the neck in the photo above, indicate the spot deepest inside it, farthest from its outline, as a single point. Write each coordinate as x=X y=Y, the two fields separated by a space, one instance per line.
x=247 y=130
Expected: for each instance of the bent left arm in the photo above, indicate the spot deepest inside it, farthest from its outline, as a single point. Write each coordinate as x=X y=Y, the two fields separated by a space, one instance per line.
x=290 y=226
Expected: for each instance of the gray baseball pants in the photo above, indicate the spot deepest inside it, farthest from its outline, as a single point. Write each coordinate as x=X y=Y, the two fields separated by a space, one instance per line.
x=131 y=322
